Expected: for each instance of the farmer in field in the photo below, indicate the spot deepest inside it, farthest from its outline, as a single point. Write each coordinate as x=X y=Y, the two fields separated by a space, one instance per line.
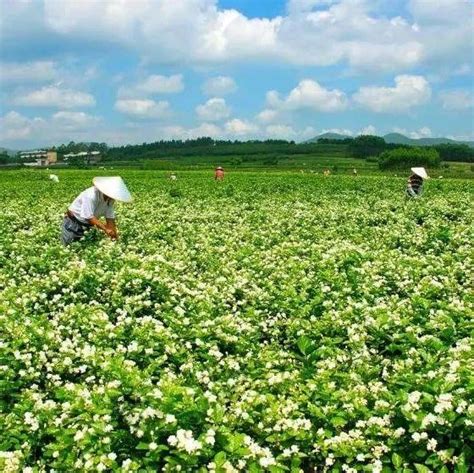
x=219 y=174
x=415 y=182
x=95 y=202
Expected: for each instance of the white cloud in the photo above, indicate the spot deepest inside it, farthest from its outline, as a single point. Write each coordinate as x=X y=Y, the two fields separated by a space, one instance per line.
x=456 y=99
x=14 y=126
x=281 y=132
x=152 y=85
x=368 y=130
x=267 y=115
x=62 y=126
x=339 y=131
x=300 y=6
x=311 y=95
x=156 y=84
x=354 y=32
x=74 y=120
x=423 y=132
x=37 y=71
x=54 y=96
x=287 y=132
x=239 y=128
x=409 y=92
x=179 y=132
x=213 y=110
x=143 y=108
x=219 y=86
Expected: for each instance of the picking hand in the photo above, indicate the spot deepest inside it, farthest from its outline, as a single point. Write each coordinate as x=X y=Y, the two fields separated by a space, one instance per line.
x=111 y=233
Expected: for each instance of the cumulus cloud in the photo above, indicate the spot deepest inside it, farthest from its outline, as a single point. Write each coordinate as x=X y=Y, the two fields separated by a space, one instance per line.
x=311 y=95
x=63 y=125
x=152 y=85
x=458 y=99
x=182 y=133
x=219 y=86
x=200 y=31
x=268 y=115
x=423 y=132
x=368 y=130
x=238 y=128
x=143 y=108
x=276 y=131
x=157 y=84
x=213 y=110
x=14 y=126
x=36 y=71
x=56 y=97
x=409 y=91
x=74 y=120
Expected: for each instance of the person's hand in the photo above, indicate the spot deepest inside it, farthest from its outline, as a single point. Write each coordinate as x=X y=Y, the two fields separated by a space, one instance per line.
x=110 y=232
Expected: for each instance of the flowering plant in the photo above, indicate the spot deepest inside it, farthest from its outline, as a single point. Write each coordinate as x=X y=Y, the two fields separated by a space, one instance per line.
x=271 y=323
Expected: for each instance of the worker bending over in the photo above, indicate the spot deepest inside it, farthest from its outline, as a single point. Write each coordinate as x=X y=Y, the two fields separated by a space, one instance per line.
x=95 y=202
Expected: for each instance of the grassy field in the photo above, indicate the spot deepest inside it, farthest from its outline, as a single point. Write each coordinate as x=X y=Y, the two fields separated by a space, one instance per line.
x=299 y=163
x=277 y=321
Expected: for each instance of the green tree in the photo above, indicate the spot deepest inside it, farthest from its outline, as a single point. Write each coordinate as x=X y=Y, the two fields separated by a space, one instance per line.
x=405 y=158
x=455 y=152
x=366 y=145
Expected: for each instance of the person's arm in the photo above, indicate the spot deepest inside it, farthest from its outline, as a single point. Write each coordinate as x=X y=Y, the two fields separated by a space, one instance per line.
x=111 y=225
x=97 y=223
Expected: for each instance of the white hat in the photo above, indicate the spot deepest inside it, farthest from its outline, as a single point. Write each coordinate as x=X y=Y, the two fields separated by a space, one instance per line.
x=113 y=187
x=420 y=172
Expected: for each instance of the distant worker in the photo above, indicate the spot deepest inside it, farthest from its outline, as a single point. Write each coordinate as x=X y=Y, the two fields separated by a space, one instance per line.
x=415 y=182
x=95 y=202
x=54 y=178
x=327 y=172
x=354 y=172
x=173 y=177
x=219 y=174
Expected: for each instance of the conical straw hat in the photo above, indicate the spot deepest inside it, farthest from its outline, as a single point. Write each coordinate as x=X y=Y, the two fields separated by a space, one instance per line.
x=420 y=172
x=113 y=187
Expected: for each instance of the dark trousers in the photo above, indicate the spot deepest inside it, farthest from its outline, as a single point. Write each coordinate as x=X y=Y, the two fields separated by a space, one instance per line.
x=72 y=230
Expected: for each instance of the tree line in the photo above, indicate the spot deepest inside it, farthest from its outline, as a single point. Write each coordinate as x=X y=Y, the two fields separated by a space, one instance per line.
x=362 y=147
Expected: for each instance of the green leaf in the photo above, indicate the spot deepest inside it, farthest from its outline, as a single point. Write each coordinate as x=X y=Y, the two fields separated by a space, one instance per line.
x=397 y=460
x=422 y=468
x=305 y=345
x=461 y=466
x=143 y=446
x=220 y=458
x=338 y=421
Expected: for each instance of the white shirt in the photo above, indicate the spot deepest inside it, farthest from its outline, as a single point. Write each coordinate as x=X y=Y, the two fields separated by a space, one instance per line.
x=91 y=203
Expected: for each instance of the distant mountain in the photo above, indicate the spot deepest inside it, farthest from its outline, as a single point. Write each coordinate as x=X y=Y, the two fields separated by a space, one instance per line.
x=397 y=138
x=328 y=136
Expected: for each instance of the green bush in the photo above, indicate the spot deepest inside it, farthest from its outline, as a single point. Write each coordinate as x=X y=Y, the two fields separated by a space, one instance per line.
x=404 y=158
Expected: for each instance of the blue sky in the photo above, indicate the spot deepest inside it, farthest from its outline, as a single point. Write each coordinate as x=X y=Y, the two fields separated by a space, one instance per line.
x=145 y=70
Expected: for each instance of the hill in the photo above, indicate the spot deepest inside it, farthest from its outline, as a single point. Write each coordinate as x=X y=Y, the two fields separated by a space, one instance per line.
x=328 y=136
x=397 y=138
